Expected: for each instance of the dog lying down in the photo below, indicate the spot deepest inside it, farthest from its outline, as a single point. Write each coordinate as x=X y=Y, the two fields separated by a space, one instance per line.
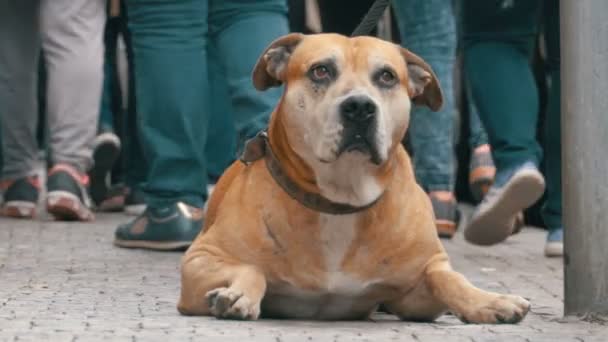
x=323 y=219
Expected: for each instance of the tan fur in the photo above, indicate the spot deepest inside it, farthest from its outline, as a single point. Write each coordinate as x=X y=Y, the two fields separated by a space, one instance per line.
x=263 y=252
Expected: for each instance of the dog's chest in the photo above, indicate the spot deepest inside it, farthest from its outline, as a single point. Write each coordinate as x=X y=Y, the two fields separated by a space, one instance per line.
x=337 y=234
x=339 y=295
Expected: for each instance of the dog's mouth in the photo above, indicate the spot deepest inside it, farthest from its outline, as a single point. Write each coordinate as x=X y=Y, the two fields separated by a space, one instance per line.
x=358 y=143
x=361 y=143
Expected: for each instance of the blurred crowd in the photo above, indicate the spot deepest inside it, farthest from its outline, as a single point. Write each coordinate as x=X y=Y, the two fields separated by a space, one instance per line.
x=140 y=105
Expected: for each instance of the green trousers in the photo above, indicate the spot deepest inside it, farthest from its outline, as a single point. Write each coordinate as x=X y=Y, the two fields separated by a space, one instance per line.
x=220 y=149
x=498 y=41
x=172 y=89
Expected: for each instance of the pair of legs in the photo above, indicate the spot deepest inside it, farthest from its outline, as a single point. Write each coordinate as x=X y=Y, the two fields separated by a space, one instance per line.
x=220 y=149
x=172 y=96
x=107 y=175
x=498 y=39
x=69 y=34
x=428 y=28
x=122 y=190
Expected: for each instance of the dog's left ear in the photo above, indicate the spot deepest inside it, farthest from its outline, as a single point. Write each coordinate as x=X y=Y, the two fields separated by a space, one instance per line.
x=271 y=68
x=423 y=83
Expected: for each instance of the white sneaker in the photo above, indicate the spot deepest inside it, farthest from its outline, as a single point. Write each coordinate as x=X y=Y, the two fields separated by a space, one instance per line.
x=554 y=247
x=515 y=190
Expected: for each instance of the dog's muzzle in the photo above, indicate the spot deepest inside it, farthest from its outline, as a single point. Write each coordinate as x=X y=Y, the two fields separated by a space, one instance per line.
x=358 y=114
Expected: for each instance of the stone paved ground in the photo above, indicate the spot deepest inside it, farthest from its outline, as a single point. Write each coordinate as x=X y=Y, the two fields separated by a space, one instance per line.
x=66 y=282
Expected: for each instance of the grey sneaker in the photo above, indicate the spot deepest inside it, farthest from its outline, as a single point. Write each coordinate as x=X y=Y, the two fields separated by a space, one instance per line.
x=106 y=149
x=20 y=197
x=67 y=197
x=514 y=190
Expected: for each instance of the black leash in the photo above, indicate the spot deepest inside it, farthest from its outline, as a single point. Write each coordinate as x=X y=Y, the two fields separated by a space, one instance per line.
x=370 y=21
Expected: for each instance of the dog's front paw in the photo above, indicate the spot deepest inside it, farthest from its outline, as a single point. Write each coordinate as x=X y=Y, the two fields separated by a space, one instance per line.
x=228 y=303
x=498 y=309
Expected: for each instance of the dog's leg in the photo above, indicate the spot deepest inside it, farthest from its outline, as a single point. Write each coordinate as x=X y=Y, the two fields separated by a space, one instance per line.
x=214 y=286
x=469 y=303
x=417 y=305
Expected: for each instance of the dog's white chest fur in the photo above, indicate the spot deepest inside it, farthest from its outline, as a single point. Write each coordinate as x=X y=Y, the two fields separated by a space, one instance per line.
x=340 y=296
x=337 y=234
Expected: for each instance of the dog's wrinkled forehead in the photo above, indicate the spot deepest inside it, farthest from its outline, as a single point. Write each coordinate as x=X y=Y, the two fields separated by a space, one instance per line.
x=291 y=57
x=349 y=55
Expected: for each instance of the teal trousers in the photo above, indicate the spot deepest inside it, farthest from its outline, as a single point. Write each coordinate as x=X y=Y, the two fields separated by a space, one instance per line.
x=172 y=89
x=220 y=149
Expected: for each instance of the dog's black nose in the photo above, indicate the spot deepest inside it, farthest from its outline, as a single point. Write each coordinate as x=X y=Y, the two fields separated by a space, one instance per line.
x=358 y=109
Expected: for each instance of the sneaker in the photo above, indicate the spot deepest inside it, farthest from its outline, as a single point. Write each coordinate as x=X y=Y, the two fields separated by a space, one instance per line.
x=67 y=197
x=20 y=197
x=447 y=215
x=481 y=172
x=134 y=202
x=513 y=191
x=106 y=149
x=554 y=247
x=168 y=228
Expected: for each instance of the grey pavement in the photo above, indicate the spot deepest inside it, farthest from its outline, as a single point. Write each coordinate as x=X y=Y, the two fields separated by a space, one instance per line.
x=66 y=282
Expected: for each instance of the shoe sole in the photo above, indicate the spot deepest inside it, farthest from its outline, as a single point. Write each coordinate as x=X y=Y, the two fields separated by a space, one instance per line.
x=65 y=206
x=155 y=245
x=105 y=155
x=497 y=222
x=19 y=209
x=554 y=249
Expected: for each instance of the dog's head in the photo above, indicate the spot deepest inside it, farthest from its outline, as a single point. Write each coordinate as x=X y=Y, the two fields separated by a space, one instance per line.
x=345 y=99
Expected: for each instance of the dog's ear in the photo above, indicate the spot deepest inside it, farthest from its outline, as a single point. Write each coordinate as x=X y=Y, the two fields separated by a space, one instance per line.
x=270 y=69
x=423 y=83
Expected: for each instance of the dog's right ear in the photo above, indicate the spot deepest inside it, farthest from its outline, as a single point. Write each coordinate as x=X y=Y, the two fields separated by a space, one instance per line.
x=270 y=69
x=424 y=84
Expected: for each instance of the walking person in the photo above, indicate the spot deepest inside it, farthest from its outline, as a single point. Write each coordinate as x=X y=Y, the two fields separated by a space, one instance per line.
x=69 y=34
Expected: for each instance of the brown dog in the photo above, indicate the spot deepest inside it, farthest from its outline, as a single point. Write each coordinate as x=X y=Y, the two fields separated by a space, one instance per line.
x=329 y=223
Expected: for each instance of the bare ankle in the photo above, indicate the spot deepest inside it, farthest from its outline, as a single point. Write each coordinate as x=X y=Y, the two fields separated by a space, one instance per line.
x=485 y=148
x=442 y=195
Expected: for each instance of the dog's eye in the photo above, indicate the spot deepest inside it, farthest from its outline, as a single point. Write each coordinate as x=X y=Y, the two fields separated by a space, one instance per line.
x=320 y=73
x=387 y=78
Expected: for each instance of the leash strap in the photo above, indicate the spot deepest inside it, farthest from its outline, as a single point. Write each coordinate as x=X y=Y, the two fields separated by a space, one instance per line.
x=372 y=17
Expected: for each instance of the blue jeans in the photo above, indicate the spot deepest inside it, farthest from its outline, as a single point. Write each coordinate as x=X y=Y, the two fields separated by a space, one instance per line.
x=428 y=29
